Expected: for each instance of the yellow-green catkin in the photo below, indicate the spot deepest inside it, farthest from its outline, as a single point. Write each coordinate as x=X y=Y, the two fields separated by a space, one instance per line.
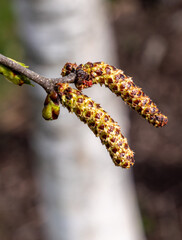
x=120 y=84
x=102 y=125
x=51 y=106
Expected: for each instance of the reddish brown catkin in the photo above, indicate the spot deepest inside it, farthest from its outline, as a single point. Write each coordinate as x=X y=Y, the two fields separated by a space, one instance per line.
x=120 y=84
x=99 y=122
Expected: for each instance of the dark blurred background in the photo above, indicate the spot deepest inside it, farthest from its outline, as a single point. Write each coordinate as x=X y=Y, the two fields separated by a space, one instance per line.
x=149 y=43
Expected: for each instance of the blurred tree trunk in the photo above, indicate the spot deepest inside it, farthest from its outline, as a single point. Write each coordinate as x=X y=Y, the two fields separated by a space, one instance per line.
x=84 y=195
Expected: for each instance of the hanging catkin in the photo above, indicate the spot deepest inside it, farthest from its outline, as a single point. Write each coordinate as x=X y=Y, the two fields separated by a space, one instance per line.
x=102 y=125
x=120 y=84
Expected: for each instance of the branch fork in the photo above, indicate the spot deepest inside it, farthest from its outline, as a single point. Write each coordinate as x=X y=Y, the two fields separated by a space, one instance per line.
x=47 y=83
x=83 y=76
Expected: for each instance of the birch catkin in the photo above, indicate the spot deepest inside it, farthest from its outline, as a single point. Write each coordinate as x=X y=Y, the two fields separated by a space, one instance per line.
x=118 y=83
x=102 y=125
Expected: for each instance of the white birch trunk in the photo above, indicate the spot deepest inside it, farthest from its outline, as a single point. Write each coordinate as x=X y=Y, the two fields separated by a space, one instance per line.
x=84 y=195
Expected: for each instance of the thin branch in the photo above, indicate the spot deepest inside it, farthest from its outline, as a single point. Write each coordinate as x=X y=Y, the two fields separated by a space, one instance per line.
x=46 y=83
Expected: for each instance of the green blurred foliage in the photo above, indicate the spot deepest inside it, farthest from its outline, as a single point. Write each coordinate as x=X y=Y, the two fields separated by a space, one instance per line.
x=9 y=43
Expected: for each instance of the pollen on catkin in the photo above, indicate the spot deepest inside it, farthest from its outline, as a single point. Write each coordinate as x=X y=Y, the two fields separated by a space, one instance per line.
x=120 y=84
x=51 y=106
x=101 y=124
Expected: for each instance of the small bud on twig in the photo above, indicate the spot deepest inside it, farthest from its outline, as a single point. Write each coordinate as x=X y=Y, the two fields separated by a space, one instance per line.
x=51 y=106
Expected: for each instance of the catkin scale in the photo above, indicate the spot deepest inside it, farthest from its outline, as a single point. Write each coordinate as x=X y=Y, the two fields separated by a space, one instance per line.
x=120 y=84
x=102 y=125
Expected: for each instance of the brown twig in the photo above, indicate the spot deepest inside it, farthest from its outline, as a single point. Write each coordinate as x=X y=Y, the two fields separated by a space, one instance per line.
x=46 y=83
